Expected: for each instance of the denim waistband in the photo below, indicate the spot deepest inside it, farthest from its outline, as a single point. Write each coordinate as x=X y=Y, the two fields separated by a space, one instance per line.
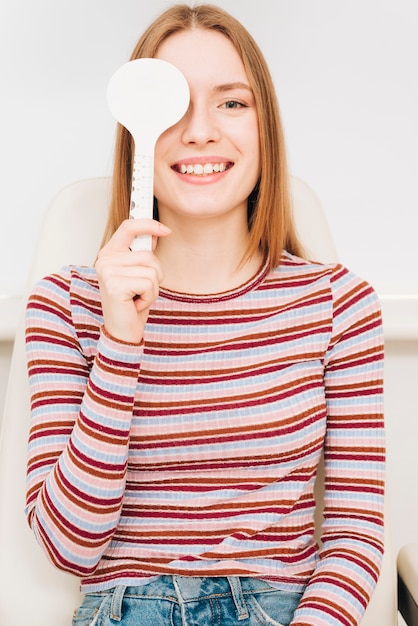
x=186 y=589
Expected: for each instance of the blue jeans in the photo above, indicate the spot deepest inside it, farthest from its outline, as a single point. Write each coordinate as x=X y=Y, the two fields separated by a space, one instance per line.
x=190 y=601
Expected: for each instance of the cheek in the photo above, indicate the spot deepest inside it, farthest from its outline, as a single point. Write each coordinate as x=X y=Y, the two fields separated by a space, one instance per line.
x=159 y=185
x=255 y=158
x=158 y=154
x=252 y=146
x=162 y=146
x=161 y=163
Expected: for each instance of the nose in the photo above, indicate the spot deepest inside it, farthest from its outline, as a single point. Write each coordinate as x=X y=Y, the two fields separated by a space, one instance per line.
x=200 y=124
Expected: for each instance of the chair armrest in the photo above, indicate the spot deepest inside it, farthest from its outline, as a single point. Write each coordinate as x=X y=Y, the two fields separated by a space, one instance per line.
x=407 y=565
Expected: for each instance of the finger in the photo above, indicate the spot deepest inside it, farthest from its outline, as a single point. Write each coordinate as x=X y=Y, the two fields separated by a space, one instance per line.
x=129 y=229
x=143 y=290
x=125 y=282
x=129 y=263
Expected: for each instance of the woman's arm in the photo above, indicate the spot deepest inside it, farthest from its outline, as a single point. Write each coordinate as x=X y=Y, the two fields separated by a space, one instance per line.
x=81 y=416
x=352 y=539
x=83 y=381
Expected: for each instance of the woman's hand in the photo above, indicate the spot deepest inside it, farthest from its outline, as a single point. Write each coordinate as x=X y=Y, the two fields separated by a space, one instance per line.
x=129 y=280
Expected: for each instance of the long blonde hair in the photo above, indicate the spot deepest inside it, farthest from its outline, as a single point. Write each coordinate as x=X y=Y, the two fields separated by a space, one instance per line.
x=269 y=208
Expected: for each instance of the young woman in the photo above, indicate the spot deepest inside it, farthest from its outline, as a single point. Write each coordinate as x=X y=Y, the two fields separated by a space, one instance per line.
x=182 y=398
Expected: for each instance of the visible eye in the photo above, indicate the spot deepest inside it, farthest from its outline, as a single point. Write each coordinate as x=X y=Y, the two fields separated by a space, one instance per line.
x=233 y=104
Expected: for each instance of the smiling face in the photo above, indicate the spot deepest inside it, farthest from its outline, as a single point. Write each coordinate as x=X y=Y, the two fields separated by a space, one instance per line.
x=207 y=164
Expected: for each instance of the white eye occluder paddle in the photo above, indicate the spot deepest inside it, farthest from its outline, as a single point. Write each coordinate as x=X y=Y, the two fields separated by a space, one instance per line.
x=146 y=96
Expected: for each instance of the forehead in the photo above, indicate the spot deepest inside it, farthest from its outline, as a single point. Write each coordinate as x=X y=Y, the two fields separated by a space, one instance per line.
x=203 y=54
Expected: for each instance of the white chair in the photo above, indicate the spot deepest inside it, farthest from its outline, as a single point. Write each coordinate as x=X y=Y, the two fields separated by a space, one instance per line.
x=407 y=563
x=33 y=592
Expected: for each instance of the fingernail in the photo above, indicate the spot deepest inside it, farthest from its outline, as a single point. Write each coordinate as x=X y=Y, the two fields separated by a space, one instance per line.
x=165 y=229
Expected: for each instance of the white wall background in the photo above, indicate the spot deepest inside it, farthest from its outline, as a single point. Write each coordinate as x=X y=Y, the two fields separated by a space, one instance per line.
x=347 y=79
x=346 y=72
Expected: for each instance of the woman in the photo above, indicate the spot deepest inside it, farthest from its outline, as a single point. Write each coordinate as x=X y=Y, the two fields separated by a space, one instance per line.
x=182 y=398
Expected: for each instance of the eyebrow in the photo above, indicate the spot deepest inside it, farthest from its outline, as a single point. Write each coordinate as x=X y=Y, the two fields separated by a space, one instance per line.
x=231 y=86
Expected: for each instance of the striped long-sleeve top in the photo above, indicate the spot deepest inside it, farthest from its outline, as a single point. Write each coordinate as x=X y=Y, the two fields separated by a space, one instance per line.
x=196 y=452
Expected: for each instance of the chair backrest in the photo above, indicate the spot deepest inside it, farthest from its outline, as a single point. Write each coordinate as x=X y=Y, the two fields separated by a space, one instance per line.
x=71 y=233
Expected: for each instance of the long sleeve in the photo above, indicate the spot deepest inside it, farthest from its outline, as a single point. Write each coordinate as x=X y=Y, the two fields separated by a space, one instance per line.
x=81 y=414
x=352 y=540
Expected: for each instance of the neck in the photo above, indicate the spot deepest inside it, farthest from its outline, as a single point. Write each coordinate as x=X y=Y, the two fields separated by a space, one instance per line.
x=206 y=260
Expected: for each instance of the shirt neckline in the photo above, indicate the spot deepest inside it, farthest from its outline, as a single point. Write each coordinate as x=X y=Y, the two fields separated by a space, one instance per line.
x=222 y=296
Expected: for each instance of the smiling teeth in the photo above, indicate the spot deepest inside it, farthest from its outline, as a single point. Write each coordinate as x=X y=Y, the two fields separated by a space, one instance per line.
x=201 y=170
